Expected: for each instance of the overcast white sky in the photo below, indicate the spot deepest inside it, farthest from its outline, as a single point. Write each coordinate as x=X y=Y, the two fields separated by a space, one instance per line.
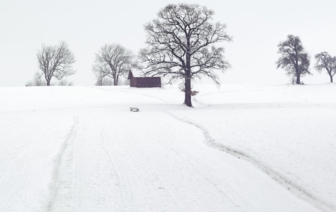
x=256 y=26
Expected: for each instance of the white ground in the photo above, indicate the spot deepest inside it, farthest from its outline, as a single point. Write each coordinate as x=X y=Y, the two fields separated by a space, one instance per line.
x=242 y=148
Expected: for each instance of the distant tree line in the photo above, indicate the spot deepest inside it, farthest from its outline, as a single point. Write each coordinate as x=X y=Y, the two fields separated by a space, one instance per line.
x=182 y=45
x=296 y=61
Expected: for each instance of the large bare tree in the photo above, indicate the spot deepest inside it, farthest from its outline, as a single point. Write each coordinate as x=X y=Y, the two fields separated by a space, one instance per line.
x=55 y=61
x=181 y=45
x=113 y=61
x=327 y=62
x=293 y=58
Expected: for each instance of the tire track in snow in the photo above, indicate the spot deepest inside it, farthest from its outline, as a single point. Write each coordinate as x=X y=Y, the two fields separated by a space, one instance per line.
x=115 y=168
x=125 y=200
x=166 y=186
x=164 y=183
x=185 y=156
x=291 y=186
x=61 y=182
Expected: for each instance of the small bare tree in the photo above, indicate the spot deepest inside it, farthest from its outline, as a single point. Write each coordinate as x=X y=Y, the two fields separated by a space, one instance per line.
x=327 y=62
x=181 y=45
x=100 y=72
x=104 y=82
x=64 y=82
x=113 y=61
x=55 y=61
x=37 y=81
x=293 y=58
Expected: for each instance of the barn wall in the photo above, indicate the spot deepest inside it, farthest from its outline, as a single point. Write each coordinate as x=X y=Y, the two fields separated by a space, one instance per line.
x=145 y=82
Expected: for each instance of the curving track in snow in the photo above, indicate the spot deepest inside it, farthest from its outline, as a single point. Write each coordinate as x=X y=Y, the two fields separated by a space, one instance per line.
x=293 y=187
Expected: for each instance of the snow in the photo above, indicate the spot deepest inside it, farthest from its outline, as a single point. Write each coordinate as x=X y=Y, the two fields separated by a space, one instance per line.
x=255 y=148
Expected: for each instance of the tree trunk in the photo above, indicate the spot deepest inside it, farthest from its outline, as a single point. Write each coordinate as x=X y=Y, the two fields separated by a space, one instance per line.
x=48 y=83
x=187 y=86
x=298 y=79
x=331 y=79
x=115 y=79
x=187 y=91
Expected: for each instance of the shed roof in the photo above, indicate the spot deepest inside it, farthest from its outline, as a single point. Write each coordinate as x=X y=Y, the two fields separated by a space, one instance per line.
x=134 y=73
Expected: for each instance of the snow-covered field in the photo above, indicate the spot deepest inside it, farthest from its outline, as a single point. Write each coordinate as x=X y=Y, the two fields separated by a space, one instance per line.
x=252 y=148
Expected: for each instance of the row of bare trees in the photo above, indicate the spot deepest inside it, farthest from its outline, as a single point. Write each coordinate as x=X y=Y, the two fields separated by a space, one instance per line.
x=296 y=61
x=182 y=44
x=112 y=62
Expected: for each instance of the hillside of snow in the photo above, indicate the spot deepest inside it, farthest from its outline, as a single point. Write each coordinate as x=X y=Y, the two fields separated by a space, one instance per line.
x=242 y=148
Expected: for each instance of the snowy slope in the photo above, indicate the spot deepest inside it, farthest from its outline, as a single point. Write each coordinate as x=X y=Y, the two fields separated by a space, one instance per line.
x=242 y=148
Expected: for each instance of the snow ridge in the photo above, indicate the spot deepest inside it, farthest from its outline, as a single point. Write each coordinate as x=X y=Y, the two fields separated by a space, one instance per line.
x=291 y=186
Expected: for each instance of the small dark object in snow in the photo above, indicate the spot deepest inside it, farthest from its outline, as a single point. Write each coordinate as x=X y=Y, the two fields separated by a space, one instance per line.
x=134 y=109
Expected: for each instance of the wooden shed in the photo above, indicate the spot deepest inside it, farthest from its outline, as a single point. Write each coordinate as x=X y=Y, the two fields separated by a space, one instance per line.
x=143 y=82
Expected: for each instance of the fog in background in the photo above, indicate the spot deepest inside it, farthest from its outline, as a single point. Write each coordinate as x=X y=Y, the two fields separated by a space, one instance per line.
x=256 y=26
